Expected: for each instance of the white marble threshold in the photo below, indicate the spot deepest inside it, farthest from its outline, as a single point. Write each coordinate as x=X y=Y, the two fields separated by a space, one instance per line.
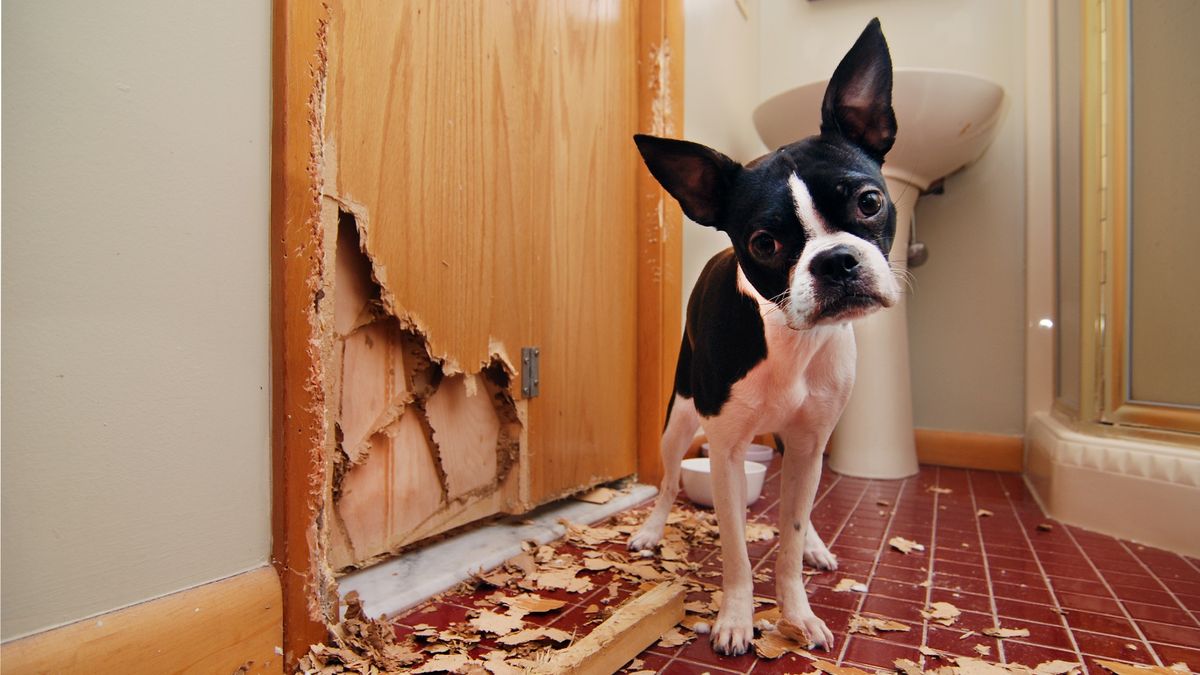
x=397 y=584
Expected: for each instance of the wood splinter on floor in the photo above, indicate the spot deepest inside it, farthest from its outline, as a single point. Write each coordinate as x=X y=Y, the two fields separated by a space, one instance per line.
x=631 y=629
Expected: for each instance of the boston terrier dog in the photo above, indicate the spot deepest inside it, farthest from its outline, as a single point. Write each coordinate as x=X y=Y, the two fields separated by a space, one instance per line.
x=768 y=346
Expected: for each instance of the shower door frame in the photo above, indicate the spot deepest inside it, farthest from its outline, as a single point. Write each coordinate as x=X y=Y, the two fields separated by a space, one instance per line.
x=1105 y=232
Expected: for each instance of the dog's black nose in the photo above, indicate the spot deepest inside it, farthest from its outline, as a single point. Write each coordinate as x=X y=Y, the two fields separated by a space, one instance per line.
x=836 y=264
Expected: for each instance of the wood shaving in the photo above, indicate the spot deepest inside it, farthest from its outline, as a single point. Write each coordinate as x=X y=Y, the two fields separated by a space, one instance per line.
x=826 y=667
x=773 y=644
x=531 y=603
x=999 y=632
x=983 y=650
x=1057 y=668
x=360 y=645
x=600 y=495
x=905 y=546
x=941 y=612
x=846 y=585
x=1045 y=527
x=869 y=625
x=938 y=490
x=675 y=638
x=983 y=513
x=447 y=663
x=497 y=624
x=760 y=532
x=1140 y=669
x=535 y=634
x=907 y=667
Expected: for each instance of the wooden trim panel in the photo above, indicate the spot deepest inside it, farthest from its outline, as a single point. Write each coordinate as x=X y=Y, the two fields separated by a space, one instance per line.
x=215 y=628
x=297 y=401
x=970 y=450
x=660 y=240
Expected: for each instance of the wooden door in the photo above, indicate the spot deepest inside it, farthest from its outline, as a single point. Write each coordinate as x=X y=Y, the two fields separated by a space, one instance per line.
x=454 y=181
x=477 y=156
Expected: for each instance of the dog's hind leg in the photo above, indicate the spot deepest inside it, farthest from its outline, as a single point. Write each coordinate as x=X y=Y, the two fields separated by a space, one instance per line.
x=682 y=423
x=816 y=553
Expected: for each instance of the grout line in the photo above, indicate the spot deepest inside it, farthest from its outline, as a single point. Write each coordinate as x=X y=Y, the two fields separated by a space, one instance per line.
x=1159 y=580
x=1120 y=604
x=987 y=570
x=878 y=554
x=929 y=573
x=1062 y=617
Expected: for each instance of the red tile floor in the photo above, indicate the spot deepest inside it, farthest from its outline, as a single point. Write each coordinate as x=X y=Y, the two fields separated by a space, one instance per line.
x=1082 y=595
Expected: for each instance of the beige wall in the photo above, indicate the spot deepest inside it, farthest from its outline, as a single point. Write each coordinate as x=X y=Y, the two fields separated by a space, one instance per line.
x=135 y=286
x=967 y=315
x=720 y=93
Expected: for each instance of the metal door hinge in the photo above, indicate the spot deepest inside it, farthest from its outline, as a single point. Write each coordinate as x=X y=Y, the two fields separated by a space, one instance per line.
x=530 y=356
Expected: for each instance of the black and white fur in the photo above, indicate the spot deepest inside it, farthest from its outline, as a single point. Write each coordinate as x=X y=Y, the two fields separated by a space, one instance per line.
x=768 y=346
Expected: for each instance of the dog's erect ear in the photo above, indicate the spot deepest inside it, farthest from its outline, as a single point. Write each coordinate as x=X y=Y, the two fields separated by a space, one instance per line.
x=858 y=101
x=699 y=177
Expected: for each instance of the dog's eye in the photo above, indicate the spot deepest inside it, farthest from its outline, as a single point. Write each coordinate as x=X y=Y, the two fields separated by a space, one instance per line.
x=870 y=202
x=764 y=246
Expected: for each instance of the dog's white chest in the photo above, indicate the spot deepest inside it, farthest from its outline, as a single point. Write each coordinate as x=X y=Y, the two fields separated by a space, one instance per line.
x=800 y=364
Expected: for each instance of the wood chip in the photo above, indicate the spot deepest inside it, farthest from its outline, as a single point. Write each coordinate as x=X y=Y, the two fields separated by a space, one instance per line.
x=938 y=490
x=446 y=663
x=826 y=667
x=882 y=502
x=971 y=666
x=983 y=650
x=983 y=513
x=773 y=644
x=1002 y=633
x=847 y=584
x=1057 y=668
x=601 y=495
x=497 y=624
x=1141 y=669
x=869 y=625
x=560 y=579
x=905 y=546
x=1045 y=527
x=531 y=603
x=760 y=532
x=534 y=634
x=907 y=667
x=929 y=651
x=941 y=612
x=675 y=638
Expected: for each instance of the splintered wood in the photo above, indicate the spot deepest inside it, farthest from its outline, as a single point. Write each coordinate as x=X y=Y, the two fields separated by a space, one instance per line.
x=421 y=448
x=630 y=629
x=869 y=625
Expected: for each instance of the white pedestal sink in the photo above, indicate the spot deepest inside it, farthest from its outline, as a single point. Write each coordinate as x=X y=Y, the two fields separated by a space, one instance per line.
x=945 y=121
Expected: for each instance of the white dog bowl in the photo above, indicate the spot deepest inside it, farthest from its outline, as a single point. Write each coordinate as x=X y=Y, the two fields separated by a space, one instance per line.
x=763 y=454
x=698 y=484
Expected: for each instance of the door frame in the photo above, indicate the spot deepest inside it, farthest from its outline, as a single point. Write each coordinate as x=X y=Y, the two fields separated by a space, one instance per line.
x=298 y=417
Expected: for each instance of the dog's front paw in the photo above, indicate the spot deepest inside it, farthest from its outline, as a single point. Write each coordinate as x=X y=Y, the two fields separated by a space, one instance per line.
x=646 y=538
x=734 y=628
x=820 y=558
x=818 y=633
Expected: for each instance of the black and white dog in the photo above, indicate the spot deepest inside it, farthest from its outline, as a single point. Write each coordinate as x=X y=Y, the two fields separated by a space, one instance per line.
x=768 y=346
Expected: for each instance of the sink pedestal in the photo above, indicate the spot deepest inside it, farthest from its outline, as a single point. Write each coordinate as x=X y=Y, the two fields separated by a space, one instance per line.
x=946 y=120
x=874 y=438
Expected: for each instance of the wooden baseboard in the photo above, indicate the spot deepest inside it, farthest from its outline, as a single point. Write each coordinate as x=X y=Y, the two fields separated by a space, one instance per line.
x=215 y=628
x=970 y=450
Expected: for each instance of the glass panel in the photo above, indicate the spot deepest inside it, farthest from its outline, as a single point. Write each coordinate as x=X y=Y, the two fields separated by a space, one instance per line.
x=1163 y=362
x=1068 y=71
